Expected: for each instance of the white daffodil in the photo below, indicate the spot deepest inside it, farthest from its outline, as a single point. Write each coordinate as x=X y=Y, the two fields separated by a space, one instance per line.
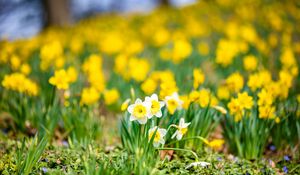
x=173 y=102
x=181 y=129
x=159 y=136
x=194 y=164
x=156 y=105
x=139 y=111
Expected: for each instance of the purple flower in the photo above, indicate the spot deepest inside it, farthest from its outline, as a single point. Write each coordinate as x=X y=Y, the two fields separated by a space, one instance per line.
x=65 y=143
x=285 y=169
x=219 y=159
x=45 y=170
x=287 y=158
x=272 y=147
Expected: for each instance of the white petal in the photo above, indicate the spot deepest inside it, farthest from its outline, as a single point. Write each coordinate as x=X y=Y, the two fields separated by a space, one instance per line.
x=161 y=104
x=181 y=122
x=158 y=114
x=152 y=129
x=186 y=125
x=162 y=141
x=154 y=97
x=132 y=118
x=155 y=144
x=174 y=135
x=179 y=136
x=147 y=104
x=149 y=115
x=138 y=101
x=130 y=108
x=142 y=120
x=163 y=132
x=147 y=99
x=202 y=164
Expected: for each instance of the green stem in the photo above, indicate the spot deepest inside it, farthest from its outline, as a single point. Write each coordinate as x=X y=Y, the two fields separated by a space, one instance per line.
x=189 y=138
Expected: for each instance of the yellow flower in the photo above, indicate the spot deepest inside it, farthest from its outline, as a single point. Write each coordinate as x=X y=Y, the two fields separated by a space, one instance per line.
x=245 y=100
x=134 y=47
x=235 y=109
x=125 y=104
x=226 y=51
x=250 y=63
x=223 y=93
x=159 y=135
x=76 y=45
x=182 y=129
x=60 y=79
x=220 y=109
x=111 y=96
x=215 y=144
x=204 y=98
x=182 y=49
x=254 y=82
x=59 y=62
x=112 y=43
x=186 y=101
x=264 y=98
x=149 y=86
x=287 y=57
x=139 y=111
x=138 y=69
x=89 y=96
x=72 y=74
x=266 y=111
x=49 y=53
x=161 y=37
x=173 y=102
x=15 y=62
x=167 y=88
x=25 y=69
x=194 y=96
x=155 y=108
x=235 y=82
x=92 y=67
x=198 y=78
x=18 y=82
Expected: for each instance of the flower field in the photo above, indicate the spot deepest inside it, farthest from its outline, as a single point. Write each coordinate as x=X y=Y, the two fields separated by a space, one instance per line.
x=211 y=88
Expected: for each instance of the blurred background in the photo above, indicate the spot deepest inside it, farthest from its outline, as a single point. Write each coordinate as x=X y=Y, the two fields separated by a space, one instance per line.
x=26 y=18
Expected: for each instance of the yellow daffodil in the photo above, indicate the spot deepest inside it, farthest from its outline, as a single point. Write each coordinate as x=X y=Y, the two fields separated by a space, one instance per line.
x=60 y=79
x=89 y=96
x=111 y=96
x=198 y=78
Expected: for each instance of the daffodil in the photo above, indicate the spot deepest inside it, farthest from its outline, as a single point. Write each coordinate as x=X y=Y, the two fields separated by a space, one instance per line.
x=173 y=102
x=111 y=96
x=124 y=105
x=215 y=144
x=156 y=105
x=220 y=109
x=60 y=79
x=159 y=136
x=140 y=111
x=182 y=129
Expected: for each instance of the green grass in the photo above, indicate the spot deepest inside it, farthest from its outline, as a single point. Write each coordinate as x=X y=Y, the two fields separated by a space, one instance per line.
x=66 y=159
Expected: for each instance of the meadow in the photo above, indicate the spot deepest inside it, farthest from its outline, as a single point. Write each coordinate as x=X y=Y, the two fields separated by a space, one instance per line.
x=210 y=88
